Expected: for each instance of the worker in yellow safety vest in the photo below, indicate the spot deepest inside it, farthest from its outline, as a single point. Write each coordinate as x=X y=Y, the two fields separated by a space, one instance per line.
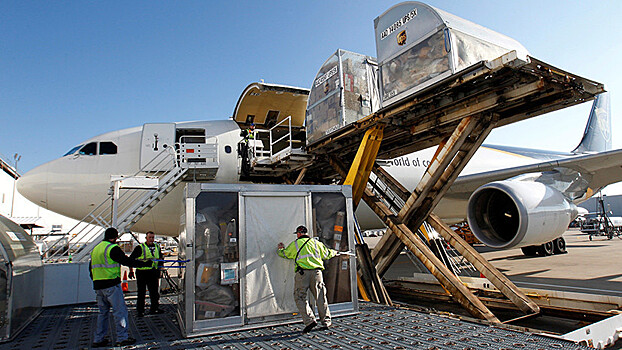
x=105 y=270
x=309 y=255
x=148 y=277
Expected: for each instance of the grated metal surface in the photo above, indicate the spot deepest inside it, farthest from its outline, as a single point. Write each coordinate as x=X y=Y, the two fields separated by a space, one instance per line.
x=375 y=327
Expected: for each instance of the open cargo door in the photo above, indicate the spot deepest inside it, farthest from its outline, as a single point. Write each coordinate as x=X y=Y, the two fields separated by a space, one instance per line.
x=266 y=105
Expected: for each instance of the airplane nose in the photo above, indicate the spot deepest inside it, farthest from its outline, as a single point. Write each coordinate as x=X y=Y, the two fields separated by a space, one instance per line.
x=34 y=185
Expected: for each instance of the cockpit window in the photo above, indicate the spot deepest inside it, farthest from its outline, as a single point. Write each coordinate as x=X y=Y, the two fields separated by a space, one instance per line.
x=73 y=150
x=90 y=149
x=107 y=148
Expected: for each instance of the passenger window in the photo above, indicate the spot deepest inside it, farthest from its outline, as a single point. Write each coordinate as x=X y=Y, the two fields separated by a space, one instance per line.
x=90 y=149
x=107 y=148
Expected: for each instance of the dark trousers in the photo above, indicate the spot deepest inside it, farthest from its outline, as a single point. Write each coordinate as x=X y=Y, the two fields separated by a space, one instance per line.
x=149 y=279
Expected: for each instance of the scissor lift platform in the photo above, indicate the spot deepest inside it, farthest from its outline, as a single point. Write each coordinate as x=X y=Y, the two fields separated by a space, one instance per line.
x=506 y=90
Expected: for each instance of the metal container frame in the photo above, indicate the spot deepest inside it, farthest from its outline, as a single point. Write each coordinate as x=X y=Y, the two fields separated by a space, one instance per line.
x=24 y=278
x=335 y=83
x=190 y=326
x=406 y=25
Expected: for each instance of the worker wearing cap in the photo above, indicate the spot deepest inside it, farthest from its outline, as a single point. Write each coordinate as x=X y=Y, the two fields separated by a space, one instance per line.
x=309 y=255
x=105 y=269
x=147 y=277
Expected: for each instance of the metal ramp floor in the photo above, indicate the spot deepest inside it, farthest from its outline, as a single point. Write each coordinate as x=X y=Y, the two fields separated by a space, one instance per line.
x=375 y=327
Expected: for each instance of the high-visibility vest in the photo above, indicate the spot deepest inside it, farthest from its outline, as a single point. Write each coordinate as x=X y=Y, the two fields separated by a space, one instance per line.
x=146 y=255
x=102 y=265
x=311 y=256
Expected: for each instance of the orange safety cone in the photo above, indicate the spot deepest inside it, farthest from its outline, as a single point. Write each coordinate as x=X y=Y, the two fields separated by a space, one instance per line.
x=124 y=285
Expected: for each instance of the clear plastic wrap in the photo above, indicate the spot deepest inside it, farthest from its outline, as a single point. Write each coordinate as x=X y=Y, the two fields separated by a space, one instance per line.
x=422 y=62
x=216 y=215
x=344 y=91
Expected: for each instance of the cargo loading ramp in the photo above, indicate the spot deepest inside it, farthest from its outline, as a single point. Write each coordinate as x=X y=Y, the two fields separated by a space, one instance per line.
x=506 y=89
x=457 y=113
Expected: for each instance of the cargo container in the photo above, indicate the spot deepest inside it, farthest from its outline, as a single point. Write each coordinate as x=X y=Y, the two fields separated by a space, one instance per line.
x=418 y=45
x=21 y=279
x=344 y=90
x=234 y=278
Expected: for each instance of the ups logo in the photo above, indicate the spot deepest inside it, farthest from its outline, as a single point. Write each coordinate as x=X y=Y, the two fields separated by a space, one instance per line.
x=401 y=38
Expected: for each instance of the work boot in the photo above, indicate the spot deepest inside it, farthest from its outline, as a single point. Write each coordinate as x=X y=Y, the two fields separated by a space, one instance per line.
x=309 y=327
x=99 y=344
x=128 y=341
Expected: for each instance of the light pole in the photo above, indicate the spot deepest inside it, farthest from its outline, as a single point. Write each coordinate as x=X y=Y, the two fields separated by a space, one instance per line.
x=16 y=158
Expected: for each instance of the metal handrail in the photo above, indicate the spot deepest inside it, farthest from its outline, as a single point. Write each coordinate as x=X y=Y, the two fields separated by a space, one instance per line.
x=94 y=219
x=264 y=153
x=289 y=134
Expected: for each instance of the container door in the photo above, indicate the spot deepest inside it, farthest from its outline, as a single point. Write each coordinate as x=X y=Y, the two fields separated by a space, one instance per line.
x=269 y=278
x=157 y=146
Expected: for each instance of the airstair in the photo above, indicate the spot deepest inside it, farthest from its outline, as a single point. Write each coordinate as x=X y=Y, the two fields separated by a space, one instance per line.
x=131 y=197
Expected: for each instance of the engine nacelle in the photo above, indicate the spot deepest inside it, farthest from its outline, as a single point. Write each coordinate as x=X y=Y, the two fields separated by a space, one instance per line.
x=513 y=214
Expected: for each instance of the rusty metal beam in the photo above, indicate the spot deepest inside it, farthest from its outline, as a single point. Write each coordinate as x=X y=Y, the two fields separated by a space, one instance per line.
x=499 y=280
x=301 y=176
x=437 y=167
x=447 y=279
x=459 y=150
x=405 y=290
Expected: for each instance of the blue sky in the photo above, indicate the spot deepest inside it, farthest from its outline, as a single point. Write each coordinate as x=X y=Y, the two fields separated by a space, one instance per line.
x=70 y=70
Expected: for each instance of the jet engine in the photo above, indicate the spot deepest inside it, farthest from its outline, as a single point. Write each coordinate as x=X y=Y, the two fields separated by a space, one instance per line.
x=513 y=214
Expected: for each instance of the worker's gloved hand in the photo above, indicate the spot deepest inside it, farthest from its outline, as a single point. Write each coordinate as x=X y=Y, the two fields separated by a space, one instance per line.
x=346 y=253
x=281 y=245
x=131 y=275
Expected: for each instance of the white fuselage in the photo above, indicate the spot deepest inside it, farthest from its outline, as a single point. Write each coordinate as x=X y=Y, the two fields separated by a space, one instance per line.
x=74 y=184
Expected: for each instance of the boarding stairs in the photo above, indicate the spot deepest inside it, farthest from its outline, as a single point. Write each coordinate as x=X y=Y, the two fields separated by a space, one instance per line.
x=283 y=155
x=131 y=197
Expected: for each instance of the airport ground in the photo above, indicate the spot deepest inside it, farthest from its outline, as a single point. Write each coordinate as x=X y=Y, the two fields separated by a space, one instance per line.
x=590 y=266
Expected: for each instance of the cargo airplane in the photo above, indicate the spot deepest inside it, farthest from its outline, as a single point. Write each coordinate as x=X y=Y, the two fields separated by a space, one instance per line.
x=512 y=197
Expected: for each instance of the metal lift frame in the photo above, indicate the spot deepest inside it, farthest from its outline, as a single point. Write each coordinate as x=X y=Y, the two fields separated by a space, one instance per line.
x=457 y=114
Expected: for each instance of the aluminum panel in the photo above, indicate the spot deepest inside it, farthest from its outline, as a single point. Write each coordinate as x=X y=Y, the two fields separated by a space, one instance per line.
x=61 y=283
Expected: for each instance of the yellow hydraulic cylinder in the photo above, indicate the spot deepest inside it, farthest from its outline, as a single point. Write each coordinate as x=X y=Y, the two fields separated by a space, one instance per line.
x=364 y=162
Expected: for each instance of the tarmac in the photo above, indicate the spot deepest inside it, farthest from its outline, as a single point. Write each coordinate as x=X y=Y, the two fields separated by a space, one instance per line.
x=589 y=267
x=592 y=267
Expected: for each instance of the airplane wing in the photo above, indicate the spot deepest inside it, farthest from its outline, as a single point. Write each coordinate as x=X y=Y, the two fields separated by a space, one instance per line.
x=605 y=168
